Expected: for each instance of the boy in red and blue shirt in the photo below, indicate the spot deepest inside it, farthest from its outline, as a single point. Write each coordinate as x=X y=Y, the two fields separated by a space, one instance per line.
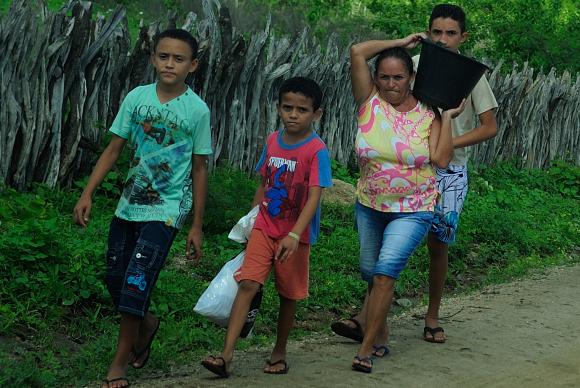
x=294 y=167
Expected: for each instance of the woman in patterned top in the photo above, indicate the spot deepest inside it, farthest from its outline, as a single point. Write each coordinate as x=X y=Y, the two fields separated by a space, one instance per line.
x=399 y=140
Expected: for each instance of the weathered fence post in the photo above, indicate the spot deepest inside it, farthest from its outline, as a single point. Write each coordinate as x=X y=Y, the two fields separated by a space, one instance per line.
x=55 y=78
x=62 y=79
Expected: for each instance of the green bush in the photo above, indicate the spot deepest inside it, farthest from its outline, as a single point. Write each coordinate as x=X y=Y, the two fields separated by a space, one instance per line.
x=46 y=266
x=514 y=220
x=229 y=198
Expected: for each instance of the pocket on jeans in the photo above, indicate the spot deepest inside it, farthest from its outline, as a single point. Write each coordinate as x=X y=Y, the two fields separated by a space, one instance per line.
x=427 y=217
x=142 y=270
x=146 y=255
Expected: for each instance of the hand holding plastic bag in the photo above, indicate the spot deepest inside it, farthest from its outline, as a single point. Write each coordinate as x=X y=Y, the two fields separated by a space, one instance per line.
x=241 y=231
x=216 y=301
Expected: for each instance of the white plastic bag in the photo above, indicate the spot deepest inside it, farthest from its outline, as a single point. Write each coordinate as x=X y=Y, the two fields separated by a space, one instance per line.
x=216 y=301
x=241 y=231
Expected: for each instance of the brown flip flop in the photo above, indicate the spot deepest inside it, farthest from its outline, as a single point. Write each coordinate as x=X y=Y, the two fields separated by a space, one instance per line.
x=109 y=381
x=278 y=372
x=344 y=330
x=220 y=370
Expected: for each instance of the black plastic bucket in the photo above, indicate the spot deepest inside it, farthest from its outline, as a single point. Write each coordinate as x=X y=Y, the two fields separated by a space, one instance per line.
x=445 y=77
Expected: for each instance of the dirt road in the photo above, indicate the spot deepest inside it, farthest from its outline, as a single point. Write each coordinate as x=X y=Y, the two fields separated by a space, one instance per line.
x=522 y=334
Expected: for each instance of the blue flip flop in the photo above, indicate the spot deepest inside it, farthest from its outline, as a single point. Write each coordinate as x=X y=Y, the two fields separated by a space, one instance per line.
x=360 y=367
x=378 y=348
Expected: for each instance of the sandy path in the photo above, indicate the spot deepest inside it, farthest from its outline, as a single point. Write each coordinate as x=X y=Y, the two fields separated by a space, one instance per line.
x=522 y=334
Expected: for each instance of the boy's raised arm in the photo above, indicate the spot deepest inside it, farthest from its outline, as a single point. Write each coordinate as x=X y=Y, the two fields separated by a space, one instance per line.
x=107 y=160
x=195 y=235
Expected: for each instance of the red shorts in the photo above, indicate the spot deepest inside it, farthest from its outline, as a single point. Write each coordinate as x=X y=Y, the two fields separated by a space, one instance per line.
x=291 y=275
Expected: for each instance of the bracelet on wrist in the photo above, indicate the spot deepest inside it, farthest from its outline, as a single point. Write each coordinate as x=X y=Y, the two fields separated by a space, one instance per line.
x=294 y=236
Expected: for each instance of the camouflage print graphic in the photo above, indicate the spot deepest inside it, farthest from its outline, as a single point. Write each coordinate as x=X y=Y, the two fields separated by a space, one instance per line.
x=452 y=185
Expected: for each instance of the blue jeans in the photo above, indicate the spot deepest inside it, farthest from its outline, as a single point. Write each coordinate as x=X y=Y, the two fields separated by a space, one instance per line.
x=387 y=240
x=136 y=254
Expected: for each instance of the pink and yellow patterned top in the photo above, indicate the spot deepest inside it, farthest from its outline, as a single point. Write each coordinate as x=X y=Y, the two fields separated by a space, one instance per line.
x=393 y=154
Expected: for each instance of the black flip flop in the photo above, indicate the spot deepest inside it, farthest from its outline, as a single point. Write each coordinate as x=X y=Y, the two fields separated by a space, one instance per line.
x=344 y=330
x=146 y=349
x=433 y=331
x=219 y=370
x=278 y=372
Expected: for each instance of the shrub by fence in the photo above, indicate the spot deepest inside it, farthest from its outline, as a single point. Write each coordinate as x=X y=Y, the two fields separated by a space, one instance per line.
x=62 y=76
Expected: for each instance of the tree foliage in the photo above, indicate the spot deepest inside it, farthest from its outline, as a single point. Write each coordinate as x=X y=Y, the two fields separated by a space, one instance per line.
x=545 y=33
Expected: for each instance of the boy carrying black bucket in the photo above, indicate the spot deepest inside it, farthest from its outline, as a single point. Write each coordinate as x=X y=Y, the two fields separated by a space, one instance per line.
x=447 y=28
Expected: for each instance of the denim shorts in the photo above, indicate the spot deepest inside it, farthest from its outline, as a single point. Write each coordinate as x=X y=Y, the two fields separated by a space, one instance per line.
x=387 y=240
x=452 y=184
x=136 y=254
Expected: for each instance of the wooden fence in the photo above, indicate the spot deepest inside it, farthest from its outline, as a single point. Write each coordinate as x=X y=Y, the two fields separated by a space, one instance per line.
x=59 y=81
x=62 y=77
x=538 y=118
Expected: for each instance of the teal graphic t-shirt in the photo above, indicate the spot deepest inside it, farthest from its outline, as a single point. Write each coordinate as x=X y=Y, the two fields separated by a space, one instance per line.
x=162 y=139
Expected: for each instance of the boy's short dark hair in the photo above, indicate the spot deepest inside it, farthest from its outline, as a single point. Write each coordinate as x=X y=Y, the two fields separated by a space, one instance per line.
x=180 y=34
x=398 y=53
x=448 y=11
x=305 y=86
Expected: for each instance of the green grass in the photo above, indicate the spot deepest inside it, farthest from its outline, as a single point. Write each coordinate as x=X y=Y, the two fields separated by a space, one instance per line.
x=515 y=221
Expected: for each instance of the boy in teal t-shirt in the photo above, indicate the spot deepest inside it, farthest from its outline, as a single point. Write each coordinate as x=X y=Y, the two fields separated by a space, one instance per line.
x=158 y=186
x=166 y=127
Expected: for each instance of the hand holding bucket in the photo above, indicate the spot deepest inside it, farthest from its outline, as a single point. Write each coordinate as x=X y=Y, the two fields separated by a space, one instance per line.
x=444 y=78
